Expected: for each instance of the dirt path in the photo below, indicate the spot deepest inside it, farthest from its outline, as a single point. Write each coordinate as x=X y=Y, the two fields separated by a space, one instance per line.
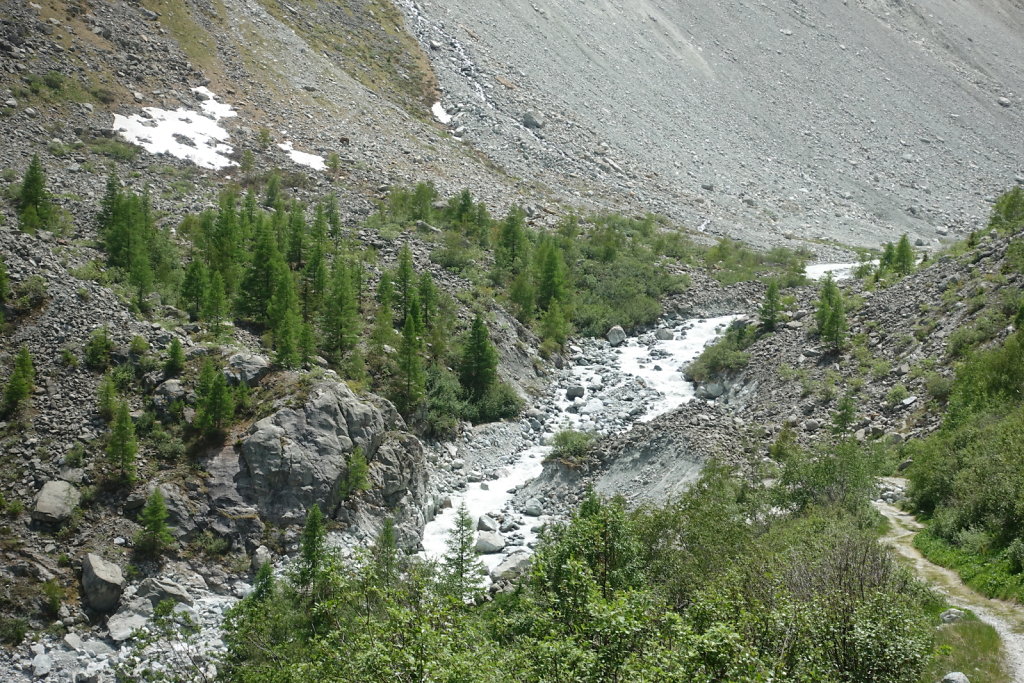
x=1007 y=618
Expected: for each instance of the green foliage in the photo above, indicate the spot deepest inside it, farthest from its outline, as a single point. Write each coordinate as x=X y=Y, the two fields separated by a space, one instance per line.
x=106 y=397
x=726 y=355
x=462 y=571
x=771 y=308
x=571 y=446
x=845 y=415
x=13 y=630
x=215 y=406
x=446 y=403
x=20 y=383
x=1008 y=212
x=479 y=363
x=121 y=444
x=154 y=539
x=34 y=207
x=357 y=475
x=98 y=349
x=175 y=363
x=409 y=387
x=830 y=315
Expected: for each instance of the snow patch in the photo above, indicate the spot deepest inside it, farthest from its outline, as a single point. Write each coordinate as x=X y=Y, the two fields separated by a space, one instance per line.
x=313 y=161
x=440 y=114
x=182 y=133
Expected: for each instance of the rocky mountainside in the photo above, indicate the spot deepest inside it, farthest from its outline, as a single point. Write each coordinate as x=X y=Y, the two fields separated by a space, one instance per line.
x=824 y=127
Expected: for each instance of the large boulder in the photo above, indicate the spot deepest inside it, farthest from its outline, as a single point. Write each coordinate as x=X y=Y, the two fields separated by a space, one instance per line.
x=246 y=368
x=159 y=589
x=488 y=542
x=955 y=677
x=616 y=336
x=299 y=457
x=102 y=583
x=512 y=566
x=664 y=334
x=55 y=502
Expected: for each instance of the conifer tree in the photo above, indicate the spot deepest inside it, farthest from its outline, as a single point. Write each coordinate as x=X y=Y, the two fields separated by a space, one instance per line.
x=427 y=294
x=263 y=584
x=903 y=259
x=333 y=218
x=888 y=258
x=33 y=200
x=106 y=397
x=405 y=283
x=297 y=235
x=215 y=305
x=771 y=307
x=512 y=252
x=313 y=551
x=155 y=537
x=554 y=326
x=479 y=363
x=551 y=281
x=259 y=280
x=357 y=475
x=830 y=315
x=341 y=317
x=175 y=363
x=410 y=378
x=19 y=384
x=462 y=571
x=523 y=296
x=215 y=404
x=273 y=193
x=383 y=332
x=194 y=287
x=109 y=203
x=122 y=446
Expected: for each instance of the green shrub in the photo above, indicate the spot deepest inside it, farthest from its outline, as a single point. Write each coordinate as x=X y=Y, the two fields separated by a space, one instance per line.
x=726 y=355
x=897 y=394
x=571 y=446
x=500 y=402
x=13 y=630
x=98 y=349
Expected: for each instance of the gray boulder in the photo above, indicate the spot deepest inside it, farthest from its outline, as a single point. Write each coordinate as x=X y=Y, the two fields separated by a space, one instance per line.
x=261 y=556
x=42 y=663
x=55 y=502
x=951 y=616
x=487 y=523
x=246 y=368
x=955 y=677
x=102 y=583
x=664 y=334
x=574 y=392
x=129 y=619
x=616 y=335
x=533 y=508
x=533 y=120
x=160 y=589
x=488 y=542
x=512 y=566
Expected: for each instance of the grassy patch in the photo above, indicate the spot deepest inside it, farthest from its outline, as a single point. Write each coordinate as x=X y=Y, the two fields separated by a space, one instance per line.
x=970 y=646
x=990 y=576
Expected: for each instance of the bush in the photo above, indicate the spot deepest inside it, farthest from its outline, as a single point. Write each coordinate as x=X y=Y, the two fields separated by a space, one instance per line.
x=500 y=402
x=571 y=446
x=98 y=349
x=726 y=355
x=896 y=395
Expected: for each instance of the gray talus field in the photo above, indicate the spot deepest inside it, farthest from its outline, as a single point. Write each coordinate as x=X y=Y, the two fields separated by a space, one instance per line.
x=853 y=121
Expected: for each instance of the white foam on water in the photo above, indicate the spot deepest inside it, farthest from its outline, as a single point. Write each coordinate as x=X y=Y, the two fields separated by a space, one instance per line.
x=840 y=271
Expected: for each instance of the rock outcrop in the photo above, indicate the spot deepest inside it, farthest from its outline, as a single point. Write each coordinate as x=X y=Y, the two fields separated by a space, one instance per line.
x=55 y=502
x=299 y=457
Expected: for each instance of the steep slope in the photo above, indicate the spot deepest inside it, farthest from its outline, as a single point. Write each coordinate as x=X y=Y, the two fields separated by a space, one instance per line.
x=847 y=121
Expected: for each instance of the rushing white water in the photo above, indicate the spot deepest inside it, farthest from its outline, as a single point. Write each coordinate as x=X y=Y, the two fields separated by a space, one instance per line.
x=840 y=271
x=612 y=380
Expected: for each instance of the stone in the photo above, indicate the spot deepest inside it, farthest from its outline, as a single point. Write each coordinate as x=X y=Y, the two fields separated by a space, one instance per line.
x=123 y=624
x=533 y=120
x=952 y=616
x=574 y=392
x=511 y=567
x=489 y=542
x=663 y=334
x=1004 y=101
x=616 y=335
x=955 y=677
x=261 y=556
x=42 y=664
x=812 y=425
x=533 y=508
x=486 y=523
x=159 y=589
x=102 y=583
x=55 y=502
x=246 y=368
